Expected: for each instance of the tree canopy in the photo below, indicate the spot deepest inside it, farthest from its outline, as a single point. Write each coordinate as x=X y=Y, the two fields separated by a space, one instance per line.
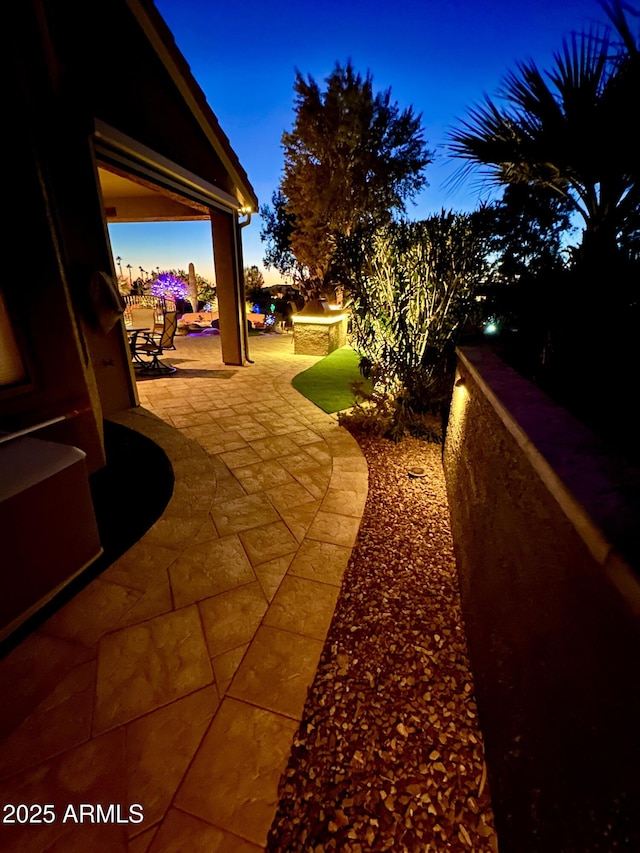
x=573 y=130
x=276 y=232
x=352 y=159
x=526 y=231
x=253 y=278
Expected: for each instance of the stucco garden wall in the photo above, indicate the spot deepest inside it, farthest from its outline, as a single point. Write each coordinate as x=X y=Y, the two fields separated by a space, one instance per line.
x=541 y=519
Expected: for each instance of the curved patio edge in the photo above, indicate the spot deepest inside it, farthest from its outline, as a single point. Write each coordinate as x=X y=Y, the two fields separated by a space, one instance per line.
x=264 y=627
x=177 y=678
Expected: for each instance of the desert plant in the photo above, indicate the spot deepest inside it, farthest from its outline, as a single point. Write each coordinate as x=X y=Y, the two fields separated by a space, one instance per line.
x=570 y=131
x=411 y=285
x=378 y=413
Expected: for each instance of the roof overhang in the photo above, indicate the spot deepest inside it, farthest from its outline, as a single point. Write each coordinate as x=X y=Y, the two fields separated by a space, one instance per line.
x=162 y=41
x=128 y=155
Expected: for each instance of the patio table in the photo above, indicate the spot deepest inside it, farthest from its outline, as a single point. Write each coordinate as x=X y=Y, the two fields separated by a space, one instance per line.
x=133 y=332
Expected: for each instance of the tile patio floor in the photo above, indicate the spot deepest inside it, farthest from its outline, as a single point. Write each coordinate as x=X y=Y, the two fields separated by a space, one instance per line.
x=177 y=678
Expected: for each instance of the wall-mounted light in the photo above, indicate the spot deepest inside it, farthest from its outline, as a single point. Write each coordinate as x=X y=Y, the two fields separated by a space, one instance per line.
x=245 y=211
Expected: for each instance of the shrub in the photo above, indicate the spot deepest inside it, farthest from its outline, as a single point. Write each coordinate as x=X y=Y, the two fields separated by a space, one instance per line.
x=410 y=287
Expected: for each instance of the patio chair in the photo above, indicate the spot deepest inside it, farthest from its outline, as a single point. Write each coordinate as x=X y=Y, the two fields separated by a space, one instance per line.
x=135 y=302
x=153 y=344
x=142 y=317
x=139 y=321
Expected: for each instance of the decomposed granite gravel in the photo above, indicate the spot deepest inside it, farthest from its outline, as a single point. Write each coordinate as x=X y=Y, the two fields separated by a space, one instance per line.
x=389 y=755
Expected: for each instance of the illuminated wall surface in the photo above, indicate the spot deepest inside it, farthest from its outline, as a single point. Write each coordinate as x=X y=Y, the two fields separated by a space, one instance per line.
x=12 y=369
x=551 y=613
x=319 y=335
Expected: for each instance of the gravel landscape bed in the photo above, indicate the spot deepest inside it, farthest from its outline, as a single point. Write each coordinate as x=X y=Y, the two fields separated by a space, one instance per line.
x=389 y=755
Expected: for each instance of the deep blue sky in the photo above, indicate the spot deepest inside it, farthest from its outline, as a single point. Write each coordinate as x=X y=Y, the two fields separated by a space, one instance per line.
x=439 y=56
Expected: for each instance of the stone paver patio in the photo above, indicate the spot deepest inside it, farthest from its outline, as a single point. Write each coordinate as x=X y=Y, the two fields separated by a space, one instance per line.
x=177 y=678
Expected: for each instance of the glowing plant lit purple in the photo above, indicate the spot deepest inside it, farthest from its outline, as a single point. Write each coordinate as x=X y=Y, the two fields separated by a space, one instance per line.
x=168 y=286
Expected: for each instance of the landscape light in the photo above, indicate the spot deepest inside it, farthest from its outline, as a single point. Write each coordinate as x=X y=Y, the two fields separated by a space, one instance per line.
x=316 y=321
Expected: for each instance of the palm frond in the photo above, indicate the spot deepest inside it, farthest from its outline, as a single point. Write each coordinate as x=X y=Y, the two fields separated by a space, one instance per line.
x=572 y=129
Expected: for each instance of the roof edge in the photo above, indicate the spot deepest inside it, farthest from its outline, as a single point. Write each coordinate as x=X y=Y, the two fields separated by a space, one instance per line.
x=163 y=42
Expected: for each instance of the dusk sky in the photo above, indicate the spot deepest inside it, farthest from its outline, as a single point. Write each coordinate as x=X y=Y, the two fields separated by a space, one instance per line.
x=441 y=57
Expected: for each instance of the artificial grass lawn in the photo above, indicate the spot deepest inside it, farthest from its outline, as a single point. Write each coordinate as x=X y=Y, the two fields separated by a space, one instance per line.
x=328 y=382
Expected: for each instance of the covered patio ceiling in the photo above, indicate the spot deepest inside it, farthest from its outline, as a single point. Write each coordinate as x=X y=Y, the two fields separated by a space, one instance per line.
x=132 y=199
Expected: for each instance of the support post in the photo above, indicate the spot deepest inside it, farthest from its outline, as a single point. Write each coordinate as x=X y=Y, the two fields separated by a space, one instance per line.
x=229 y=287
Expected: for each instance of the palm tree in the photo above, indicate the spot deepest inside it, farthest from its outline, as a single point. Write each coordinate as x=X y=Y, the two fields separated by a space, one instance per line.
x=573 y=130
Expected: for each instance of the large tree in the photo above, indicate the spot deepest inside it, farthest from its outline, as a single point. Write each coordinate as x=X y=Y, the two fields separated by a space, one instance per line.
x=352 y=158
x=253 y=278
x=526 y=234
x=527 y=231
x=573 y=130
x=276 y=232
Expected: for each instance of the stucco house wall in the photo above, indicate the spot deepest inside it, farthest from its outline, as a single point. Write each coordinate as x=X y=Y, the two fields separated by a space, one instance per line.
x=93 y=87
